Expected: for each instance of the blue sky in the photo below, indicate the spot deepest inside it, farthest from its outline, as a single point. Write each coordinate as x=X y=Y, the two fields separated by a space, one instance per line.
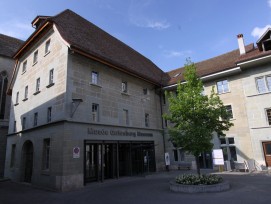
x=165 y=31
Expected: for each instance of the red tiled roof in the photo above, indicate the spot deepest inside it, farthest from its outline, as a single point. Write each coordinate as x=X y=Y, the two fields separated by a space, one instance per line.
x=9 y=45
x=216 y=64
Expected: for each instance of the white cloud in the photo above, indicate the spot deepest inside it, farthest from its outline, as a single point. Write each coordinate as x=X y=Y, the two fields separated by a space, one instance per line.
x=139 y=15
x=257 y=32
x=174 y=53
x=269 y=3
x=158 y=25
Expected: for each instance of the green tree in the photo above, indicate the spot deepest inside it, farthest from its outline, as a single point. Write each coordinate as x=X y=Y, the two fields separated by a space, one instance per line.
x=195 y=116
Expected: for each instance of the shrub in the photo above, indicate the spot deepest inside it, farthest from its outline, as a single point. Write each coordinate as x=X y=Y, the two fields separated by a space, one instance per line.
x=191 y=179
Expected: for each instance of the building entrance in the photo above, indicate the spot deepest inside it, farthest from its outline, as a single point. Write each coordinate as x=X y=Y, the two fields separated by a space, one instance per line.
x=267 y=153
x=27 y=162
x=205 y=160
x=107 y=160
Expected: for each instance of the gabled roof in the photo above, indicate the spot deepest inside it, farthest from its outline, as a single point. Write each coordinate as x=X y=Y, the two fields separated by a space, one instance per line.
x=9 y=45
x=216 y=64
x=86 y=37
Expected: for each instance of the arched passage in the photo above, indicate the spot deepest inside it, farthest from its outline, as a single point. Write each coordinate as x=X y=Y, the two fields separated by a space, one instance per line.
x=27 y=161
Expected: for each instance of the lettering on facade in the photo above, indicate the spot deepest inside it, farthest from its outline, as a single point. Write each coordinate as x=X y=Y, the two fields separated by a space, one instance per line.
x=92 y=131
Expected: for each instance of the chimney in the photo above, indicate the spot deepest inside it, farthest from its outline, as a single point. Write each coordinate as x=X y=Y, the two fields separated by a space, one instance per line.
x=241 y=44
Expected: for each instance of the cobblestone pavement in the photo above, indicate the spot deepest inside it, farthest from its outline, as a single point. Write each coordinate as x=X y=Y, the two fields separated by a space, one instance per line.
x=245 y=188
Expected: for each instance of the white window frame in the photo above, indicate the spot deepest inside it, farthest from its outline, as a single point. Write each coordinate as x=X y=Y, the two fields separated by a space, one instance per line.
x=268 y=118
x=38 y=84
x=125 y=117
x=51 y=76
x=17 y=98
x=231 y=109
x=94 y=77
x=95 y=112
x=35 y=57
x=124 y=87
x=49 y=114
x=227 y=145
x=47 y=46
x=24 y=66
x=266 y=87
x=26 y=93
x=223 y=86
x=35 y=122
x=46 y=154
x=147 y=120
x=24 y=123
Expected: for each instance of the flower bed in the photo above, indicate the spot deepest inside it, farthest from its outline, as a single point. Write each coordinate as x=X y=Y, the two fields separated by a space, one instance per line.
x=189 y=183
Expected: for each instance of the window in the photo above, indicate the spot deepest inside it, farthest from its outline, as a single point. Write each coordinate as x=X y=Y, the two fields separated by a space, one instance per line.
x=3 y=90
x=95 y=112
x=125 y=117
x=147 y=120
x=51 y=76
x=182 y=154
x=166 y=123
x=24 y=123
x=94 y=77
x=12 y=156
x=263 y=84
x=145 y=91
x=175 y=153
x=228 y=148
x=164 y=98
x=268 y=114
x=15 y=126
x=46 y=154
x=35 y=119
x=38 y=85
x=229 y=111
x=222 y=86
x=35 y=58
x=49 y=114
x=124 y=87
x=17 y=98
x=47 y=46
x=26 y=93
x=24 y=66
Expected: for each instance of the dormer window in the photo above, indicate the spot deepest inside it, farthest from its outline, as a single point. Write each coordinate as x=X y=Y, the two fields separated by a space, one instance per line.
x=267 y=45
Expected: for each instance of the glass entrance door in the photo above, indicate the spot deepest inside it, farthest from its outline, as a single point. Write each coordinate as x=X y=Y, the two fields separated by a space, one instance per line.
x=107 y=160
x=92 y=162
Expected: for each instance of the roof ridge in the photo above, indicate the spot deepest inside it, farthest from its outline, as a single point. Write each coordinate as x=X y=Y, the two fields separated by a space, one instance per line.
x=215 y=57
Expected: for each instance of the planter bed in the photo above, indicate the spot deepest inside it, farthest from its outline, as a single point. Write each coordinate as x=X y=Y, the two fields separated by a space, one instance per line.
x=199 y=188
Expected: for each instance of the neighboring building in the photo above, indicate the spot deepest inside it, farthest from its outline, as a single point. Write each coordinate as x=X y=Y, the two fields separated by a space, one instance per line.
x=242 y=78
x=8 y=47
x=85 y=107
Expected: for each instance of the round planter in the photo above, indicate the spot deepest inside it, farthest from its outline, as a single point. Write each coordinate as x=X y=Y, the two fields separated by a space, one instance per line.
x=199 y=188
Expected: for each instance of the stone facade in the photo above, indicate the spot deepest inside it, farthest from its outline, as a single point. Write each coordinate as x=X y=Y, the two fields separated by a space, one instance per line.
x=71 y=123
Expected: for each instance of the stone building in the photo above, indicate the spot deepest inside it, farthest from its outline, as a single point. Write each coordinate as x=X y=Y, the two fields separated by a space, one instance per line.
x=8 y=47
x=242 y=78
x=85 y=107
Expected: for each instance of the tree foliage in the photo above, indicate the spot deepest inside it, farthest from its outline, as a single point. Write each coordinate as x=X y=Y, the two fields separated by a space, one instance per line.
x=195 y=116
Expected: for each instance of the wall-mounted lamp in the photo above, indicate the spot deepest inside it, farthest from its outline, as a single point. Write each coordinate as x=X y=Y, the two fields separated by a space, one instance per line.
x=75 y=103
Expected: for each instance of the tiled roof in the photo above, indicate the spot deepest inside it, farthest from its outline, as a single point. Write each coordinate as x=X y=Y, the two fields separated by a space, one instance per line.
x=217 y=64
x=83 y=35
x=9 y=45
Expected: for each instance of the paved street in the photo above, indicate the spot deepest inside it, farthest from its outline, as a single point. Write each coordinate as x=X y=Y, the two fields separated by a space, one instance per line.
x=245 y=188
